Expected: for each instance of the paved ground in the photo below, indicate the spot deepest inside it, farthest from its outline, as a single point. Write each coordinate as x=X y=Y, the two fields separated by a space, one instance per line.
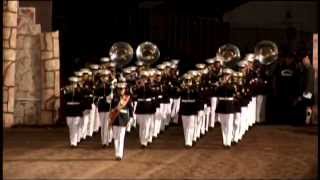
x=278 y=152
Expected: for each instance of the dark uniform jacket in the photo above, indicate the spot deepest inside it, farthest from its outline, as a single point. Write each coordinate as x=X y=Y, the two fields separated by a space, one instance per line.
x=225 y=106
x=188 y=103
x=145 y=100
x=87 y=95
x=73 y=107
x=103 y=90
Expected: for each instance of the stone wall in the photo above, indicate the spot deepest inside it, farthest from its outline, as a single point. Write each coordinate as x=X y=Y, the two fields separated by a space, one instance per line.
x=10 y=13
x=31 y=88
x=51 y=77
x=28 y=68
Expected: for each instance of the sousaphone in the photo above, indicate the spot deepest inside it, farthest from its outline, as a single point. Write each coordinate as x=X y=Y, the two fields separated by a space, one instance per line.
x=266 y=52
x=229 y=53
x=148 y=53
x=121 y=53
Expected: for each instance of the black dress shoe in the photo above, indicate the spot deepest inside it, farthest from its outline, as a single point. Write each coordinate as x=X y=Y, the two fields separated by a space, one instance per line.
x=73 y=146
x=118 y=158
x=104 y=146
x=227 y=147
x=143 y=146
x=188 y=147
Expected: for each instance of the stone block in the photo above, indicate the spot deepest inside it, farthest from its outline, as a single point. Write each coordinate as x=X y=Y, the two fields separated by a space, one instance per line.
x=8 y=120
x=11 y=99
x=48 y=41
x=48 y=95
x=6 y=33
x=10 y=19
x=55 y=34
x=5 y=107
x=56 y=48
x=42 y=41
x=12 y=6
x=5 y=96
x=51 y=65
x=27 y=15
x=46 y=54
x=46 y=118
x=9 y=73
x=6 y=44
x=9 y=54
x=13 y=38
x=49 y=83
x=57 y=84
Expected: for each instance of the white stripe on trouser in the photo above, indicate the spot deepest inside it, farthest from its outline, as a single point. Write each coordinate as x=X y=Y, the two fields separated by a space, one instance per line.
x=97 y=124
x=167 y=107
x=226 y=127
x=207 y=112
x=157 y=122
x=73 y=124
x=175 y=110
x=213 y=111
x=163 y=116
x=195 y=123
x=106 y=132
x=144 y=121
x=86 y=117
x=80 y=126
x=188 y=128
x=203 y=122
x=119 y=133
x=243 y=121
x=261 y=108
x=236 y=126
x=91 y=120
x=134 y=124
x=151 y=129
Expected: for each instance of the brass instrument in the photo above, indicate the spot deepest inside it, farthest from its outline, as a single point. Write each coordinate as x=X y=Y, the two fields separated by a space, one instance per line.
x=148 y=53
x=121 y=53
x=266 y=52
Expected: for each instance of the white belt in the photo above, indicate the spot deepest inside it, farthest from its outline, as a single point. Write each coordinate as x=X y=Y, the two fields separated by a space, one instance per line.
x=225 y=98
x=148 y=99
x=188 y=100
x=123 y=110
x=73 y=103
x=159 y=96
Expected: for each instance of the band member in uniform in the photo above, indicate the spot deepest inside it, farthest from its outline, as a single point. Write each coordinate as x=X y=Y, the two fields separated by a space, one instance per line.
x=215 y=73
x=187 y=109
x=95 y=119
x=105 y=94
x=225 y=107
x=73 y=110
x=120 y=117
x=237 y=107
x=145 y=107
x=174 y=96
x=87 y=100
x=158 y=117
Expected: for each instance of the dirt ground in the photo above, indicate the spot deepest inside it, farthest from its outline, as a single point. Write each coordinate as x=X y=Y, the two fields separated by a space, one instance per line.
x=277 y=152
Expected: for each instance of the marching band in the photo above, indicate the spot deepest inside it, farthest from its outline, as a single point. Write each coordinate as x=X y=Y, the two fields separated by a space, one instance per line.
x=113 y=98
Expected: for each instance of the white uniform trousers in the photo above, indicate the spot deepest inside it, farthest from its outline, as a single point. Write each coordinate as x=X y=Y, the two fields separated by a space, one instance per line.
x=167 y=111
x=175 y=110
x=207 y=113
x=151 y=129
x=91 y=120
x=73 y=124
x=119 y=133
x=163 y=116
x=200 y=123
x=188 y=128
x=236 y=127
x=195 y=123
x=261 y=108
x=144 y=121
x=80 y=126
x=86 y=117
x=106 y=131
x=213 y=117
x=97 y=123
x=203 y=122
x=226 y=127
x=243 y=121
x=157 y=122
